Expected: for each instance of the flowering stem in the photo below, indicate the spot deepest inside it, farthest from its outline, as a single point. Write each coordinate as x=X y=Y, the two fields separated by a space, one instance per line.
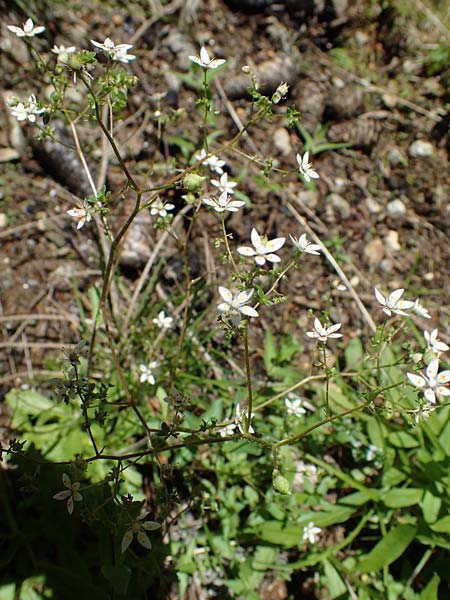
x=249 y=379
x=327 y=381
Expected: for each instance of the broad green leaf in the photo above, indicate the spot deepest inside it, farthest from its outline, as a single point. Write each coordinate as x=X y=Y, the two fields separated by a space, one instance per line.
x=335 y=584
x=391 y=547
x=399 y=497
x=403 y=439
x=431 y=506
x=264 y=558
x=430 y=591
x=277 y=533
x=442 y=525
x=118 y=576
x=353 y=353
x=393 y=477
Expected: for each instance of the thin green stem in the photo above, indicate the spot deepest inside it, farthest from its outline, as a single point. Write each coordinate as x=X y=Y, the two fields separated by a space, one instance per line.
x=249 y=379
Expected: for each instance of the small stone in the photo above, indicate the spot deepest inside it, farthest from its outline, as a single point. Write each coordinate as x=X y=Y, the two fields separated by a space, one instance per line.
x=374 y=251
x=282 y=141
x=396 y=208
x=387 y=265
x=341 y=205
x=308 y=197
x=3 y=220
x=373 y=206
x=391 y=241
x=395 y=157
x=361 y=38
x=421 y=149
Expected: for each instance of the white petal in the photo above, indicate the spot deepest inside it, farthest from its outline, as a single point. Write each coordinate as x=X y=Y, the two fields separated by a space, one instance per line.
x=416 y=380
x=405 y=304
x=244 y=297
x=143 y=540
x=273 y=258
x=126 y=540
x=223 y=307
x=248 y=311
x=379 y=296
x=255 y=237
x=246 y=251
x=275 y=244
x=204 y=56
x=226 y=294
x=443 y=377
x=430 y=395
x=317 y=324
x=260 y=260
x=66 y=480
x=433 y=368
x=70 y=505
x=442 y=391
x=334 y=328
x=62 y=495
x=395 y=296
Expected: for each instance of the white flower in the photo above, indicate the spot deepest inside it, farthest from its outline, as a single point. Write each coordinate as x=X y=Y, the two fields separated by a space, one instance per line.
x=392 y=303
x=241 y=419
x=235 y=305
x=224 y=202
x=323 y=333
x=147 y=372
x=305 y=168
x=304 y=245
x=310 y=533
x=263 y=248
x=139 y=528
x=372 y=452
x=72 y=494
x=213 y=162
x=432 y=383
x=29 y=30
x=27 y=110
x=204 y=61
x=227 y=430
x=119 y=52
x=223 y=184
x=159 y=208
x=434 y=343
x=304 y=470
x=81 y=214
x=421 y=310
x=294 y=407
x=162 y=321
x=63 y=50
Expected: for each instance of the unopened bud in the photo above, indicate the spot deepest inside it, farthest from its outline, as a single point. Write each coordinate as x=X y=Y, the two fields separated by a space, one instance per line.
x=246 y=69
x=280 y=92
x=193 y=182
x=280 y=484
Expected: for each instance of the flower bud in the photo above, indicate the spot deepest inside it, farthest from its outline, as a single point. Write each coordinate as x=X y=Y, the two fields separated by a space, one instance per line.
x=280 y=92
x=246 y=69
x=429 y=356
x=280 y=483
x=75 y=62
x=193 y=182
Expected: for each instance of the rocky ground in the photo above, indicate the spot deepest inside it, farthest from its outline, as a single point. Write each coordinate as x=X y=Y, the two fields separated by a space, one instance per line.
x=359 y=72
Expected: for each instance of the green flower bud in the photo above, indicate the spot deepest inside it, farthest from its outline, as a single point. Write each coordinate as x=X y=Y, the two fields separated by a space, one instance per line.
x=75 y=62
x=280 y=483
x=429 y=356
x=193 y=182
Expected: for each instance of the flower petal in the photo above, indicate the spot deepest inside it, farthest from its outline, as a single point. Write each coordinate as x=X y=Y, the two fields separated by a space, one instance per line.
x=126 y=540
x=416 y=380
x=226 y=294
x=246 y=251
x=433 y=368
x=244 y=297
x=142 y=538
x=248 y=311
x=66 y=480
x=379 y=296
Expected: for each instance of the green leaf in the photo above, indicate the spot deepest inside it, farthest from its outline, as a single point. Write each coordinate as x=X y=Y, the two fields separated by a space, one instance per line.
x=402 y=439
x=277 y=533
x=270 y=351
x=442 y=526
x=391 y=547
x=353 y=353
x=335 y=584
x=118 y=577
x=399 y=497
x=430 y=591
x=431 y=505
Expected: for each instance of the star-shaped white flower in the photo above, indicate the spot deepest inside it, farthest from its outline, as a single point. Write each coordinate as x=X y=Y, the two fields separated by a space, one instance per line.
x=162 y=321
x=223 y=184
x=421 y=310
x=205 y=61
x=323 y=333
x=213 y=162
x=432 y=383
x=392 y=303
x=117 y=52
x=294 y=407
x=241 y=420
x=72 y=494
x=139 y=528
x=159 y=208
x=82 y=214
x=303 y=245
x=235 y=305
x=28 y=110
x=263 y=249
x=224 y=203
x=310 y=533
x=305 y=168
x=29 y=30
x=63 y=50
x=434 y=343
x=147 y=372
